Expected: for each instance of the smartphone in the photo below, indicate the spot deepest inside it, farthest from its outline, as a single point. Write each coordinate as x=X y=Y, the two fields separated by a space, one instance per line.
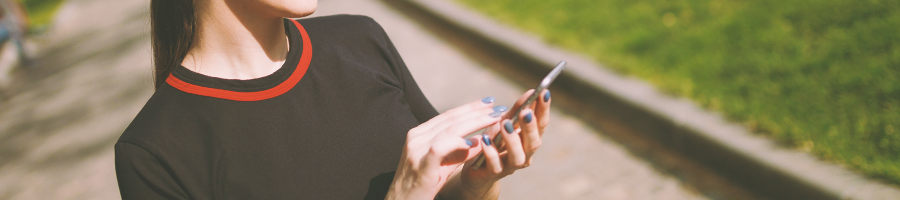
x=534 y=96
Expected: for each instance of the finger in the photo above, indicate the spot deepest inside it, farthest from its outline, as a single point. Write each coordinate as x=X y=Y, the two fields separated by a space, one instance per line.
x=491 y=157
x=542 y=111
x=476 y=147
x=531 y=138
x=475 y=151
x=449 y=150
x=495 y=111
x=535 y=102
x=486 y=102
x=453 y=113
x=519 y=103
x=516 y=155
x=492 y=130
x=463 y=125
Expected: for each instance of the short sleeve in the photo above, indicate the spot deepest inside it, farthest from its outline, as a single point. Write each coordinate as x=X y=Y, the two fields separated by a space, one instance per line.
x=420 y=106
x=142 y=176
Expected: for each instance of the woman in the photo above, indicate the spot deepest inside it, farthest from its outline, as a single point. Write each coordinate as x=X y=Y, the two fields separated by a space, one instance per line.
x=250 y=105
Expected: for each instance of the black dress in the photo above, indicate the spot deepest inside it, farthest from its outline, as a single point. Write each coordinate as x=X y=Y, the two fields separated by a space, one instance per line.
x=329 y=124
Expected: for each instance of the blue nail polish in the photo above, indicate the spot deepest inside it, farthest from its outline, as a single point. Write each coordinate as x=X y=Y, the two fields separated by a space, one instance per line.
x=500 y=108
x=487 y=139
x=508 y=126
x=528 y=118
x=547 y=96
x=468 y=142
x=488 y=100
x=495 y=114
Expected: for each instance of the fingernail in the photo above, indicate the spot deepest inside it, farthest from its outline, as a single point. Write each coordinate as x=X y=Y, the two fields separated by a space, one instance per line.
x=547 y=96
x=488 y=100
x=468 y=142
x=487 y=139
x=500 y=108
x=508 y=126
x=528 y=118
x=495 y=114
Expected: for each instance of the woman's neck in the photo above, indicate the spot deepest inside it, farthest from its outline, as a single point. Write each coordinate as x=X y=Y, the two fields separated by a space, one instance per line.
x=232 y=43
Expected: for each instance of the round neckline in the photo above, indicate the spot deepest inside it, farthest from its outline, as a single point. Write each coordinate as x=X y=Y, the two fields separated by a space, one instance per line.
x=269 y=86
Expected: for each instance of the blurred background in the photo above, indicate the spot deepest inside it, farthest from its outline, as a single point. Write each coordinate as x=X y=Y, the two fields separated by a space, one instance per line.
x=816 y=77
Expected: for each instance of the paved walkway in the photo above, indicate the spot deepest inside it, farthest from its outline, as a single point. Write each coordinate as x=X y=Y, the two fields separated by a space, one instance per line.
x=59 y=124
x=59 y=120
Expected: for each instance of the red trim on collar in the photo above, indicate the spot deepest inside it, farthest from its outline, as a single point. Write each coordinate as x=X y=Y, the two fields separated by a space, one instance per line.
x=281 y=88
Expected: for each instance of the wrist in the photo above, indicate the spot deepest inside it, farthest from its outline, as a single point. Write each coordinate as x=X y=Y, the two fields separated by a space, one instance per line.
x=481 y=191
x=395 y=194
x=409 y=188
x=457 y=189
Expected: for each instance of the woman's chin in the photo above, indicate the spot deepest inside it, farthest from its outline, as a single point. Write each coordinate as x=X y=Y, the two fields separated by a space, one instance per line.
x=298 y=9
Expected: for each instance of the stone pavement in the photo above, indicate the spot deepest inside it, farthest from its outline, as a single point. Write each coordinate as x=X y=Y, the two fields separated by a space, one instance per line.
x=58 y=120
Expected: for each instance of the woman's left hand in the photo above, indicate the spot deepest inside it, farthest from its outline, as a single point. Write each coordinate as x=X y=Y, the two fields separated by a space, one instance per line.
x=520 y=141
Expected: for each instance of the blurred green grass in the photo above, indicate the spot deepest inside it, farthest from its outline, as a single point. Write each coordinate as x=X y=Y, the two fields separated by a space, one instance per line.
x=819 y=76
x=41 y=12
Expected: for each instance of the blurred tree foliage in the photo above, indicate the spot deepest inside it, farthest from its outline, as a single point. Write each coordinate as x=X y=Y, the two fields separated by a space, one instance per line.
x=41 y=12
x=821 y=76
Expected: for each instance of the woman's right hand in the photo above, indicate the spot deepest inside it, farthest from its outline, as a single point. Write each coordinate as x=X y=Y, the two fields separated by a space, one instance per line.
x=436 y=148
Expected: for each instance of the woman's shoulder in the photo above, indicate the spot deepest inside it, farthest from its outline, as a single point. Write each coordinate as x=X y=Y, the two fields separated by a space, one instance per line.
x=343 y=27
x=342 y=18
x=342 y=21
x=163 y=116
x=354 y=42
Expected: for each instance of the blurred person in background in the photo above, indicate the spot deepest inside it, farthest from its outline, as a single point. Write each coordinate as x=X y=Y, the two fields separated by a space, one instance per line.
x=250 y=104
x=13 y=26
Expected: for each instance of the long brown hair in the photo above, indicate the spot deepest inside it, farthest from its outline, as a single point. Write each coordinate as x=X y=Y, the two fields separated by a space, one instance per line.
x=172 y=26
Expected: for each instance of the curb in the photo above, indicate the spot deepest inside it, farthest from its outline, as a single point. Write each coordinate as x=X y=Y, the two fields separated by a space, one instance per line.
x=629 y=109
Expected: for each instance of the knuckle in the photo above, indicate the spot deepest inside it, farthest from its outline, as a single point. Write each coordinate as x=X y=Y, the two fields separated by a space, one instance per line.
x=535 y=145
x=412 y=146
x=432 y=149
x=528 y=128
x=412 y=141
x=519 y=163
x=498 y=170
